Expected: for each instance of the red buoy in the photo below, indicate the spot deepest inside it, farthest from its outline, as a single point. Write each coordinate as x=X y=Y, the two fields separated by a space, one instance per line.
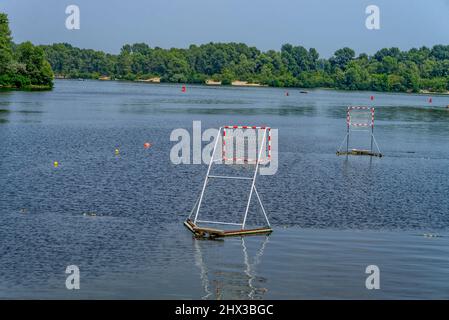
x=430 y=100
x=286 y=93
x=183 y=89
x=372 y=98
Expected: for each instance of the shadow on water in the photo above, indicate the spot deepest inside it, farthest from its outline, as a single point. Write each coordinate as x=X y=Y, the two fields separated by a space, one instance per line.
x=221 y=280
x=3 y=115
x=399 y=114
x=29 y=111
x=412 y=114
x=282 y=110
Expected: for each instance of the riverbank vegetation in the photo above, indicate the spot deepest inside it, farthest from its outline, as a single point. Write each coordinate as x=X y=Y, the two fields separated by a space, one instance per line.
x=22 y=66
x=389 y=69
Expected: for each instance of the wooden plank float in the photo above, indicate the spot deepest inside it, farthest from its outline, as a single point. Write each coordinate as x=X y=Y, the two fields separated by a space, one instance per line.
x=358 y=152
x=218 y=233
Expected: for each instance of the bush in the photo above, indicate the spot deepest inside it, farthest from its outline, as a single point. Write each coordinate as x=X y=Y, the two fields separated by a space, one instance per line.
x=16 y=80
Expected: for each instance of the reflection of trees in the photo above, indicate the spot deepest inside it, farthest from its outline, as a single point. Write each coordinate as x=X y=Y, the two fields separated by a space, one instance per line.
x=4 y=113
x=419 y=114
x=225 y=280
x=400 y=113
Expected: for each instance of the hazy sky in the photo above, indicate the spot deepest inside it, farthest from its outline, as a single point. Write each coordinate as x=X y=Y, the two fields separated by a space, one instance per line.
x=325 y=25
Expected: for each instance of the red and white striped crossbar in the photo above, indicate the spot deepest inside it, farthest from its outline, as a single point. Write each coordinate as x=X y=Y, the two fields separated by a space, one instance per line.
x=246 y=127
x=348 y=117
x=246 y=160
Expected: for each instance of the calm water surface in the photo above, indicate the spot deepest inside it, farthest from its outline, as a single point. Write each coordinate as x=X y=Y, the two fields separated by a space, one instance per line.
x=332 y=216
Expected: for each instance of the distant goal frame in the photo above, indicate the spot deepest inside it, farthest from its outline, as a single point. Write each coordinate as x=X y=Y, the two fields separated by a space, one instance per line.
x=352 y=126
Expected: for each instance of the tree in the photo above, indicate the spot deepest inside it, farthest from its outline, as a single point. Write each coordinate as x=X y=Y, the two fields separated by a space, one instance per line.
x=355 y=77
x=389 y=69
x=37 y=68
x=22 y=65
x=342 y=57
x=440 y=52
x=387 y=52
x=6 y=56
x=298 y=59
x=388 y=65
x=123 y=66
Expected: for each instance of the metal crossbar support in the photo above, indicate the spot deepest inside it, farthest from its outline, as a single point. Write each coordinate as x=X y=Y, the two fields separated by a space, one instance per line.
x=226 y=177
x=254 y=179
x=207 y=176
x=199 y=201
x=375 y=143
x=261 y=205
x=219 y=222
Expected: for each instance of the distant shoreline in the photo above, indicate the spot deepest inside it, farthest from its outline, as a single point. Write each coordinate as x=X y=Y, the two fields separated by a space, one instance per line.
x=387 y=70
x=422 y=92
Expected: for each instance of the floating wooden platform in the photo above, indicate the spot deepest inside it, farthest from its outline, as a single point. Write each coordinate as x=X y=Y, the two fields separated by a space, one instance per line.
x=357 y=152
x=218 y=233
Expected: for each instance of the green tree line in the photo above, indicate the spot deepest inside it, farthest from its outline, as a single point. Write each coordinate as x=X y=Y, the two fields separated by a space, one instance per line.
x=389 y=69
x=22 y=65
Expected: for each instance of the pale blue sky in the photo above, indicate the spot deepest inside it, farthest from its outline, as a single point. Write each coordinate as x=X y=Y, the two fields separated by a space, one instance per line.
x=323 y=24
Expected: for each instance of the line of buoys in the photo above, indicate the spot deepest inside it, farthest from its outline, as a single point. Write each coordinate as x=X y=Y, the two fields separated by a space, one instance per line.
x=146 y=145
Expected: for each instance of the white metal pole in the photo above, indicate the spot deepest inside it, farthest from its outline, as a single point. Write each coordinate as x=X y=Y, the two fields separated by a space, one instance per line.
x=375 y=142
x=341 y=144
x=261 y=205
x=194 y=206
x=207 y=175
x=254 y=178
x=347 y=140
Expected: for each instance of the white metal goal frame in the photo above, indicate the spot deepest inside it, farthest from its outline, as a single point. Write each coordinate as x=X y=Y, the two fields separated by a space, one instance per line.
x=354 y=123
x=226 y=159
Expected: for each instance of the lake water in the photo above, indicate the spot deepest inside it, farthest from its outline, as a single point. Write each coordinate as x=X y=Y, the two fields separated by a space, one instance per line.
x=119 y=217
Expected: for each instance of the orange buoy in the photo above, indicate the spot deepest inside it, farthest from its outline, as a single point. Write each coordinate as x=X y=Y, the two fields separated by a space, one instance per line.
x=146 y=145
